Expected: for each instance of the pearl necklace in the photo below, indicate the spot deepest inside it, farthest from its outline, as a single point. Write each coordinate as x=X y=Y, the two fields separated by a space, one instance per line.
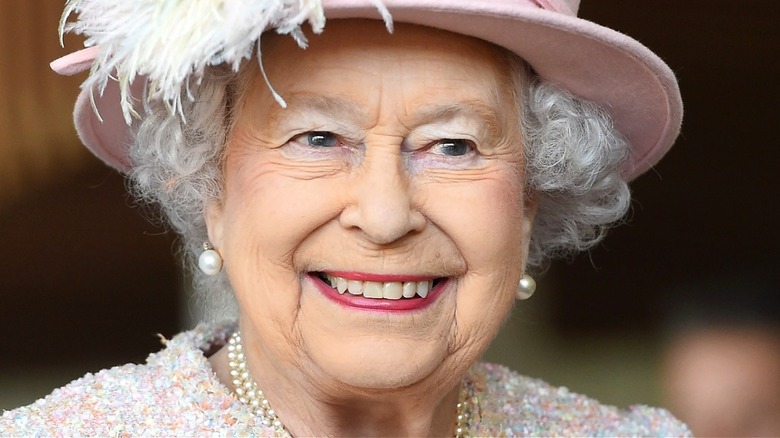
x=246 y=388
x=249 y=394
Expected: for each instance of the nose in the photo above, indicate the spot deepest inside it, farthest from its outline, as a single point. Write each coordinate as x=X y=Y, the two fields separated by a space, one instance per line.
x=382 y=202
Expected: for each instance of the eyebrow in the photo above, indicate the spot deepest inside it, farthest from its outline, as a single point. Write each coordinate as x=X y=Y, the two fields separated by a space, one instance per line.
x=477 y=110
x=341 y=108
x=347 y=109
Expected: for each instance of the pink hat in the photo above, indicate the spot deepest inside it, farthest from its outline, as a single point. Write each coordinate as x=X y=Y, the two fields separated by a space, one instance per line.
x=596 y=63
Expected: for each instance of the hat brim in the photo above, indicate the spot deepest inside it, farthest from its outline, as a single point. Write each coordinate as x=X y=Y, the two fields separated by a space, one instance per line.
x=620 y=74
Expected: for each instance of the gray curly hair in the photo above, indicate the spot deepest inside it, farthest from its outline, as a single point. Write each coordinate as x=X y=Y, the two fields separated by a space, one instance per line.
x=573 y=161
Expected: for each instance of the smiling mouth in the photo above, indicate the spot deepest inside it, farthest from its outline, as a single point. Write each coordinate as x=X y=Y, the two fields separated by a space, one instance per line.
x=390 y=290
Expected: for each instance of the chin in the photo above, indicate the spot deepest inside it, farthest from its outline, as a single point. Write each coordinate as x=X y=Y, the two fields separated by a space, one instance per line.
x=377 y=363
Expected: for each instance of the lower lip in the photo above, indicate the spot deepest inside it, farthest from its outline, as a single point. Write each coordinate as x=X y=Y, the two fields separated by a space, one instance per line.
x=362 y=303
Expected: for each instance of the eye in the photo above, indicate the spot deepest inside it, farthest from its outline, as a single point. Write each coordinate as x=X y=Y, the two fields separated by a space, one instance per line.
x=453 y=147
x=321 y=139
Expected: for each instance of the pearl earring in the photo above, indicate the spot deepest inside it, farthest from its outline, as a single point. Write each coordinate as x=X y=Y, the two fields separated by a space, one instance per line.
x=210 y=262
x=526 y=288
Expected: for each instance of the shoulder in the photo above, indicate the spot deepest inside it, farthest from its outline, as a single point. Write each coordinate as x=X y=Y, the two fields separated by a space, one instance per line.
x=513 y=405
x=175 y=392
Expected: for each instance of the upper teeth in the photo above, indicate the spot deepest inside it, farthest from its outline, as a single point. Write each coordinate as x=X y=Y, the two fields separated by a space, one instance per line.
x=392 y=290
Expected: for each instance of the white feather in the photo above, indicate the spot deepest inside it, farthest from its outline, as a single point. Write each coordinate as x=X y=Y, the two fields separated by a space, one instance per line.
x=171 y=42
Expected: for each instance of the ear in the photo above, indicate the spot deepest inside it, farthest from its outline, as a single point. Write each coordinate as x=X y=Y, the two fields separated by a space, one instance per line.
x=530 y=207
x=214 y=217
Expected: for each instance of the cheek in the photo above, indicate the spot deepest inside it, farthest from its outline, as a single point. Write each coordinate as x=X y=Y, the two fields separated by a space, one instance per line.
x=271 y=209
x=268 y=214
x=484 y=218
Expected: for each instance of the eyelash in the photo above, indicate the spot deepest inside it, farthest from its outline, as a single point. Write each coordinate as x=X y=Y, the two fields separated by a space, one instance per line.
x=449 y=143
x=433 y=154
x=309 y=136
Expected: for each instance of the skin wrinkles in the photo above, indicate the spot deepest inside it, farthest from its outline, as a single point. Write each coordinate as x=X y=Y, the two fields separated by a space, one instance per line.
x=401 y=207
x=447 y=176
x=276 y=160
x=482 y=115
x=311 y=112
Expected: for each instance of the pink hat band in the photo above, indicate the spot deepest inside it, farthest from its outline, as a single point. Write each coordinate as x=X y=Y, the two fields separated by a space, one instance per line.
x=628 y=80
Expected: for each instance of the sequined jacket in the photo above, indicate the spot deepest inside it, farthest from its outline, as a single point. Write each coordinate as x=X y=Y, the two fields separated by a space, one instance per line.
x=177 y=394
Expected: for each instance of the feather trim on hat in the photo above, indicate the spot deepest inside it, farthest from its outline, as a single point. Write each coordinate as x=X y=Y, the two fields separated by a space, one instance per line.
x=171 y=42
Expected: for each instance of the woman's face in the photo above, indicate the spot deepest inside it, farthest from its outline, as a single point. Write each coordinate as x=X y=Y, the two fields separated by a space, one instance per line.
x=396 y=172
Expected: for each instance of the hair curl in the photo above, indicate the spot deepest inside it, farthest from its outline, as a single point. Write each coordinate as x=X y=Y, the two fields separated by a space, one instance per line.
x=573 y=159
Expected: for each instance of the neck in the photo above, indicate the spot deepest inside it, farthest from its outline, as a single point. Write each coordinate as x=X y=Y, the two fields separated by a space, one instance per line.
x=321 y=407
x=396 y=415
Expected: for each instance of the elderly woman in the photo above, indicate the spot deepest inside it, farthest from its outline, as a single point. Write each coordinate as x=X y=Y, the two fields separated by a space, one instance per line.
x=366 y=208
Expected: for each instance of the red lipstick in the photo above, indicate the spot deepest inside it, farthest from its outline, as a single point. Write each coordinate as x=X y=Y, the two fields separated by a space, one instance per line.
x=360 y=302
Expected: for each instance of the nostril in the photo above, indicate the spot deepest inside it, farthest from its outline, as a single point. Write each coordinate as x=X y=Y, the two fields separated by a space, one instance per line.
x=382 y=224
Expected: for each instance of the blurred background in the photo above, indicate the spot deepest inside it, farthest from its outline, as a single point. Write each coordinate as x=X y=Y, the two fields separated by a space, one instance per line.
x=678 y=307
